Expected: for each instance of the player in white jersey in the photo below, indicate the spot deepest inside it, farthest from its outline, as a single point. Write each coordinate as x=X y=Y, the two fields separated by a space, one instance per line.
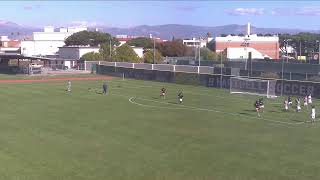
x=69 y=86
x=298 y=104
x=286 y=105
x=313 y=114
x=309 y=99
x=305 y=101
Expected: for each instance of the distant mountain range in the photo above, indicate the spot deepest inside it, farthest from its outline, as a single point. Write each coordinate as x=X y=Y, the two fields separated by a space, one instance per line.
x=167 y=31
x=14 y=30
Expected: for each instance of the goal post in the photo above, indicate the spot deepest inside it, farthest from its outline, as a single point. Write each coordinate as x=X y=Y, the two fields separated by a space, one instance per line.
x=253 y=86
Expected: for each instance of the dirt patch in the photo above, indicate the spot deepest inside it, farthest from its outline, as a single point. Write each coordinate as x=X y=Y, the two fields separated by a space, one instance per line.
x=56 y=79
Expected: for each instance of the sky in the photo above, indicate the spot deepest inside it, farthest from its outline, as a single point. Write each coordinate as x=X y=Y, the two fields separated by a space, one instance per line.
x=278 y=14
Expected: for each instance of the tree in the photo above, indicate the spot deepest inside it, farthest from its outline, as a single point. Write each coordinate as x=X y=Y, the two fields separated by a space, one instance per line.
x=307 y=42
x=90 y=38
x=206 y=54
x=146 y=43
x=172 y=48
x=211 y=45
x=148 y=56
x=105 y=51
x=91 y=56
x=125 y=53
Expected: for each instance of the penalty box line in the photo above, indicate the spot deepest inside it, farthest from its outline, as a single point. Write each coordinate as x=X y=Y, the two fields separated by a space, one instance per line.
x=131 y=100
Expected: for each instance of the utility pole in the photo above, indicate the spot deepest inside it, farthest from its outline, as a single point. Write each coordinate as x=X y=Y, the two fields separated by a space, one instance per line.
x=154 y=51
x=318 y=51
x=300 y=48
x=110 y=48
x=199 y=49
x=282 y=76
x=221 y=69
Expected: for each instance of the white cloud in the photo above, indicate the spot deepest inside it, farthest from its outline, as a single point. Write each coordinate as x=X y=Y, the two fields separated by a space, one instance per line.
x=246 y=11
x=86 y=23
x=282 y=12
x=308 y=11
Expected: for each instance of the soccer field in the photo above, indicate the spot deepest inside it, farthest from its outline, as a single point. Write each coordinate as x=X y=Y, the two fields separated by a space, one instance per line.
x=131 y=133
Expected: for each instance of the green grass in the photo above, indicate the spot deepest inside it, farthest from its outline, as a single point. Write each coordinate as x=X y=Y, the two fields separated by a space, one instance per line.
x=46 y=133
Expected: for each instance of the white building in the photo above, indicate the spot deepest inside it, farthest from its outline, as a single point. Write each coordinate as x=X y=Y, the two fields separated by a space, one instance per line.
x=241 y=53
x=47 y=43
x=138 y=51
x=194 y=42
x=71 y=54
x=261 y=46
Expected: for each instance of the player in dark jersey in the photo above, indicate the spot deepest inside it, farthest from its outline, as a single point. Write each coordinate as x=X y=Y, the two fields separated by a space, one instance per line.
x=105 y=88
x=261 y=104
x=257 y=106
x=163 y=93
x=180 y=97
x=289 y=101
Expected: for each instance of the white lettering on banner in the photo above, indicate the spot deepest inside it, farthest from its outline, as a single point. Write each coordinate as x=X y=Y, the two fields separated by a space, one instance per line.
x=303 y=90
x=295 y=89
x=310 y=90
x=286 y=88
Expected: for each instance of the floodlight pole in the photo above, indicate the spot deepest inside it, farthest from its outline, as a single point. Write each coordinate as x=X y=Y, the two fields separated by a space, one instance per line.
x=154 y=50
x=282 y=77
x=110 y=47
x=221 y=69
x=199 y=50
x=318 y=51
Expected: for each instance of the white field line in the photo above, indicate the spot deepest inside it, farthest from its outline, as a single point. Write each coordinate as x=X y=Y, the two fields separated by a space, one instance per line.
x=188 y=92
x=194 y=108
x=210 y=110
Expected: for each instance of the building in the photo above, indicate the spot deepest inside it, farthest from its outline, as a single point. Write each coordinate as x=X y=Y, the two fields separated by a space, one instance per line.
x=47 y=43
x=9 y=46
x=124 y=38
x=138 y=51
x=194 y=42
x=70 y=55
x=259 y=46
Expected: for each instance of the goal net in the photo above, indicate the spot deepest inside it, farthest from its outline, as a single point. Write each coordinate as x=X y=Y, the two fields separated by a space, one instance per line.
x=253 y=86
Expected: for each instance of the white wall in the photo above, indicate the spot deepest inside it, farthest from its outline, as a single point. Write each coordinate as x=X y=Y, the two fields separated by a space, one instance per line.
x=36 y=48
x=48 y=42
x=52 y=36
x=252 y=37
x=138 y=51
x=83 y=51
x=242 y=53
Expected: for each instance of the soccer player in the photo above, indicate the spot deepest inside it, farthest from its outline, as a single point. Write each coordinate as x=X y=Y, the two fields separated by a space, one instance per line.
x=105 y=88
x=180 y=97
x=286 y=105
x=261 y=104
x=298 y=104
x=163 y=93
x=289 y=101
x=305 y=103
x=69 y=86
x=257 y=106
x=309 y=99
x=313 y=114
